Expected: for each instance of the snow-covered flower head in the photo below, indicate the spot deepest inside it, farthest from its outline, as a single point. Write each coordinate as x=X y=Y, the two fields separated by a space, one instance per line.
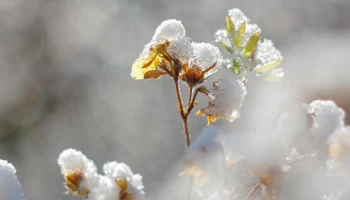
x=241 y=39
x=79 y=172
x=105 y=189
x=326 y=115
x=10 y=188
x=168 y=31
x=172 y=52
x=129 y=184
x=225 y=100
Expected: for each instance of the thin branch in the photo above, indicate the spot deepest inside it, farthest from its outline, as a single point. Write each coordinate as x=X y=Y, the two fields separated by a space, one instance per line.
x=182 y=112
x=190 y=91
x=193 y=101
x=179 y=99
x=252 y=192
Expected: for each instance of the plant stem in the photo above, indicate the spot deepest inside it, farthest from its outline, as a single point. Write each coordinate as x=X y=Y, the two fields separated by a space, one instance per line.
x=182 y=112
x=251 y=193
x=193 y=101
x=190 y=91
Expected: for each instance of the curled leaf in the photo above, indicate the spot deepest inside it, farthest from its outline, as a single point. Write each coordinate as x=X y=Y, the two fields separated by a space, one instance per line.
x=154 y=74
x=251 y=45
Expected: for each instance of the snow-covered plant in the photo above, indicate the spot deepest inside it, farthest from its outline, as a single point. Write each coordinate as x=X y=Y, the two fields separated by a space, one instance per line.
x=262 y=164
x=172 y=53
x=10 y=188
x=249 y=54
x=82 y=179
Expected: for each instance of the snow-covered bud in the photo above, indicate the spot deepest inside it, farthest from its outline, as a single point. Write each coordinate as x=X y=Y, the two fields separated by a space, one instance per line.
x=79 y=172
x=10 y=188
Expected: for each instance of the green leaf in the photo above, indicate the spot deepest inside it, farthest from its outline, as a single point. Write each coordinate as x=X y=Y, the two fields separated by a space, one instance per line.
x=236 y=67
x=226 y=47
x=251 y=45
x=230 y=27
x=237 y=40
x=270 y=65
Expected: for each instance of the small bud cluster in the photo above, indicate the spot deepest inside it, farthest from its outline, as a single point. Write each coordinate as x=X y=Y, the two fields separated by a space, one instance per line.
x=241 y=39
x=82 y=179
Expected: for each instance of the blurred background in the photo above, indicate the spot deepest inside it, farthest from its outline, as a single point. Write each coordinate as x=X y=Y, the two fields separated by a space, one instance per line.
x=65 y=79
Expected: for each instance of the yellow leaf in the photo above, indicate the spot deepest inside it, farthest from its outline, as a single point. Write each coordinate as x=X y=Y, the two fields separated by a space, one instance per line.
x=268 y=66
x=143 y=65
x=200 y=112
x=230 y=27
x=211 y=120
x=251 y=45
x=237 y=40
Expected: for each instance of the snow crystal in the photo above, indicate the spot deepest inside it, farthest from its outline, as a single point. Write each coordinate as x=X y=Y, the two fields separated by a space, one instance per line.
x=181 y=49
x=221 y=36
x=326 y=115
x=107 y=189
x=205 y=55
x=168 y=31
x=266 y=53
x=226 y=98
x=237 y=17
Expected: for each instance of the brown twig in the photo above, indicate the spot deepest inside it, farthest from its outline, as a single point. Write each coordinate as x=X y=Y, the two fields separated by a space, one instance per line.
x=252 y=192
x=193 y=101
x=190 y=91
x=182 y=111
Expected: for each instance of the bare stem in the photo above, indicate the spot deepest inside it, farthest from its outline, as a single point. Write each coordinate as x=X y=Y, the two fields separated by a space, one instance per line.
x=190 y=91
x=193 y=101
x=182 y=112
x=252 y=192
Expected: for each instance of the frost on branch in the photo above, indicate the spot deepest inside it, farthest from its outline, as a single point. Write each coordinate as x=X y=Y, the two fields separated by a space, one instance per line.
x=241 y=39
x=225 y=100
x=172 y=52
x=10 y=188
x=82 y=179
